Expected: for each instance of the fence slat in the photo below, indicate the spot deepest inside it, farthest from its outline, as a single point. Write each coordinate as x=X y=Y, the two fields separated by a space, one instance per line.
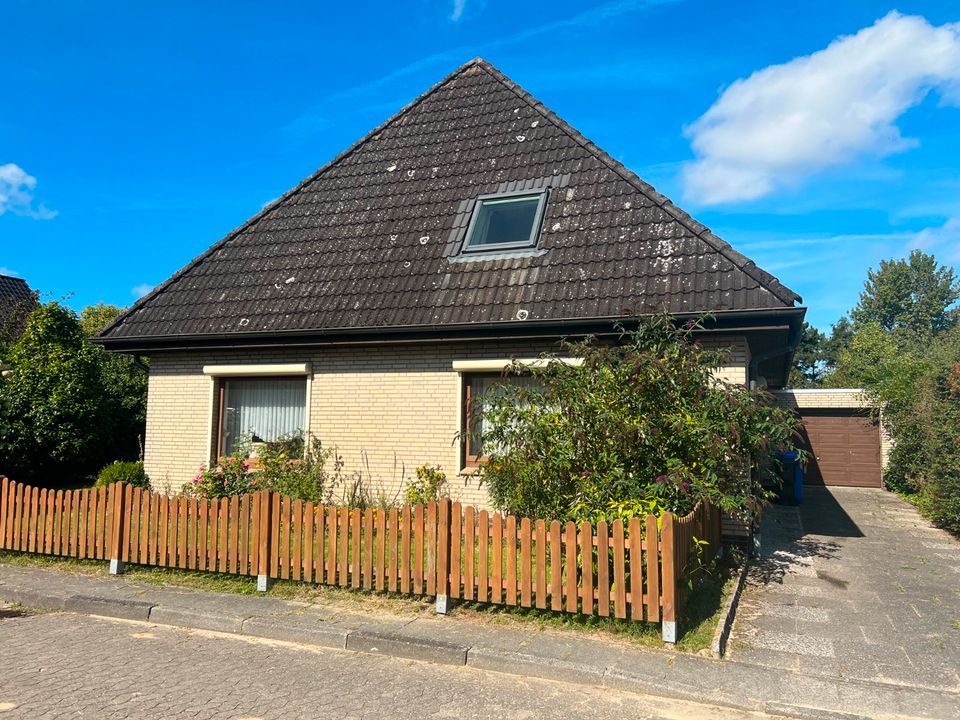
x=652 y=551
x=511 y=560
x=4 y=510
x=58 y=526
x=308 y=541
x=297 y=569
x=257 y=534
x=619 y=571
x=418 y=549
x=331 y=545
x=319 y=559
x=344 y=561
x=274 y=548
x=131 y=513
x=405 y=549
x=381 y=549
x=570 y=539
x=603 y=569
x=456 y=540
x=244 y=521
x=355 y=532
x=392 y=547
x=368 y=549
x=525 y=562
x=431 y=540
x=443 y=548
x=636 y=570
x=48 y=527
x=32 y=515
x=496 y=577
x=233 y=559
x=213 y=523
x=182 y=532
x=469 y=540
x=203 y=533
x=483 y=569
x=285 y=538
x=586 y=559
x=541 y=564
x=556 y=565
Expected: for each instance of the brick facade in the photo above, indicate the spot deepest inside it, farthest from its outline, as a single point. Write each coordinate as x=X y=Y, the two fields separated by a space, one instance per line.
x=387 y=409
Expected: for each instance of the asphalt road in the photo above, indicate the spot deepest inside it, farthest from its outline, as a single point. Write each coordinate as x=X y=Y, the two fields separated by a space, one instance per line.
x=72 y=666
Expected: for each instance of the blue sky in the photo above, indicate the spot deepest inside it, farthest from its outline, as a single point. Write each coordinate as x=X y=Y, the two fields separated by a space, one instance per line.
x=818 y=137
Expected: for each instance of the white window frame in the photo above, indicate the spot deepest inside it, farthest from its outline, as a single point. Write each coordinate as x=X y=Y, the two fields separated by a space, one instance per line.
x=530 y=242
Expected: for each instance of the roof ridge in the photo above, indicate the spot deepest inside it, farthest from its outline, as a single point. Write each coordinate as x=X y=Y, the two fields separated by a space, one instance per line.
x=250 y=222
x=701 y=231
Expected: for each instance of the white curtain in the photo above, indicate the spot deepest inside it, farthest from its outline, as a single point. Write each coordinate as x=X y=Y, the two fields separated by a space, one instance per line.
x=263 y=409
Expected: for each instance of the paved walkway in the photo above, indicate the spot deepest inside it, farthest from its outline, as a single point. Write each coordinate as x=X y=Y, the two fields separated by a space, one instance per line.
x=854 y=584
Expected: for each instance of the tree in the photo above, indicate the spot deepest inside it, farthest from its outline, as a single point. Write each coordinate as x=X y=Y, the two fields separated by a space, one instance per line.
x=915 y=296
x=53 y=420
x=125 y=386
x=809 y=366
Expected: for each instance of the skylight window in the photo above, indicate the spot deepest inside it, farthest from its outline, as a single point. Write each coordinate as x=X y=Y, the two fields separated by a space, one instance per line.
x=504 y=222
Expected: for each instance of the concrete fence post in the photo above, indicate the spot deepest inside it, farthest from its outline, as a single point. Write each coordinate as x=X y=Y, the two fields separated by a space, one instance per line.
x=115 y=497
x=263 y=541
x=668 y=555
x=443 y=556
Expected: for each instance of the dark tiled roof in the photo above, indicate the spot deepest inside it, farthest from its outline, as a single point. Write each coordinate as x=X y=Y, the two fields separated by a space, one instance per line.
x=16 y=290
x=372 y=239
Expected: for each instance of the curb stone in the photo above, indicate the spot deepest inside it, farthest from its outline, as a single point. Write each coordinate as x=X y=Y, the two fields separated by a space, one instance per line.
x=718 y=646
x=403 y=646
x=321 y=635
x=802 y=712
x=515 y=663
x=109 y=607
x=185 y=617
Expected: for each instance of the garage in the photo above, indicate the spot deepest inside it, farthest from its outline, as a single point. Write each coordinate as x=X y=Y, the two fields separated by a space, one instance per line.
x=845 y=443
x=844 y=449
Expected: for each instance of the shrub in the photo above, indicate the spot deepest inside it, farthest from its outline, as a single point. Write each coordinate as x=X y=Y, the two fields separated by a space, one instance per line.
x=642 y=426
x=230 y=476
x=310 y=476
x=123 y=471
x=430 y=485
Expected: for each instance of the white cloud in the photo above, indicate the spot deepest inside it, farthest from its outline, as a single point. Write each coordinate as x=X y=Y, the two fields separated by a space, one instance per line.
x=16 y=194
x=943 y=240
x=787 y=122
x=8 y=272
x=138 y=291
x=458 y=7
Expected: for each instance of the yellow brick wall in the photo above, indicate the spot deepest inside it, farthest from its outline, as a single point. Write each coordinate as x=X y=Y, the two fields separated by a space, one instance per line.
x=387 y=409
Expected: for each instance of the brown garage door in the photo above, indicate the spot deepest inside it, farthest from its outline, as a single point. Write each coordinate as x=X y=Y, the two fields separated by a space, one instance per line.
x=844 y=450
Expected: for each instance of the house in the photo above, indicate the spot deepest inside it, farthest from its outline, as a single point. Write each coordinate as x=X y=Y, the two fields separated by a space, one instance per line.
x=369 y=301
x=16 y=302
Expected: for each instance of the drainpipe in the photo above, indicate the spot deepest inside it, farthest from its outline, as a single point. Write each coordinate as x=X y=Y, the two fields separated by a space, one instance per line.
x=138 y=361
x=792 y=344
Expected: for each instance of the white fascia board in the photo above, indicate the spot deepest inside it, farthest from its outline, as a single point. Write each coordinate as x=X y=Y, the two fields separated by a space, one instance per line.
x=499 y=364
x=265 y=369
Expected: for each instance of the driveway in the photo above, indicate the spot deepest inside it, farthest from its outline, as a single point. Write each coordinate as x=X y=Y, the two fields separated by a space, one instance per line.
x=855 y=584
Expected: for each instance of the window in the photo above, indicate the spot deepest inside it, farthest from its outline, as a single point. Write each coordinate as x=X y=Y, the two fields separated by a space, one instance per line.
x=505 y=222
x=263 y=409
x=476 y=386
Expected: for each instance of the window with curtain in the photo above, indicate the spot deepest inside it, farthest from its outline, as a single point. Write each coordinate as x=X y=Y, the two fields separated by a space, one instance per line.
x=477 y=386
x=262 y=409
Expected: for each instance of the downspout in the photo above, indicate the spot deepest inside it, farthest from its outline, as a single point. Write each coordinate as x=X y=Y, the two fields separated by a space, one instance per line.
x=792 y=344
x=138 y=361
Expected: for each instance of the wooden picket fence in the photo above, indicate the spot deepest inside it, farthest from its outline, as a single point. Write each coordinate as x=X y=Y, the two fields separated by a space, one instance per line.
x=631 y=570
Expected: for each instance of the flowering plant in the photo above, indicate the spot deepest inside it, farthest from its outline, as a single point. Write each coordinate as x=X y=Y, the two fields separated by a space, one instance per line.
x=229 y=476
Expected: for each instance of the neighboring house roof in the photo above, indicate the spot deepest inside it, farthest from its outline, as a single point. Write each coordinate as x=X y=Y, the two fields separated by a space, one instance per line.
x=372 y=240
x=16 y=289
x=16 y=302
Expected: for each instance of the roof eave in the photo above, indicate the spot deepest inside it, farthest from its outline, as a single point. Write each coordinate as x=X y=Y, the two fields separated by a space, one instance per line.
x=717 y=321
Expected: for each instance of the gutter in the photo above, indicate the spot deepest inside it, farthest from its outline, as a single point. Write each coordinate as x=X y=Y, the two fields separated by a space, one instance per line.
x=730 y=320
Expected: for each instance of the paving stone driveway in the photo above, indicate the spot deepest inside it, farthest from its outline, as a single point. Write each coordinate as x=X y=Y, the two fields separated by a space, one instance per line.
x=854 y=583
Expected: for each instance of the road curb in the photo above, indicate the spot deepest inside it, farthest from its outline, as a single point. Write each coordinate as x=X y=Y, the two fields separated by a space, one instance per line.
x=718 y=647
x=524 y=664
x=320 y=635
x=404 y=646
x=187 y=617
x=109 y=607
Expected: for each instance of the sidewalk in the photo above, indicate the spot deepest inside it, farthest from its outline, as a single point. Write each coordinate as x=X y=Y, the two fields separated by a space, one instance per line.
x=456 y=641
